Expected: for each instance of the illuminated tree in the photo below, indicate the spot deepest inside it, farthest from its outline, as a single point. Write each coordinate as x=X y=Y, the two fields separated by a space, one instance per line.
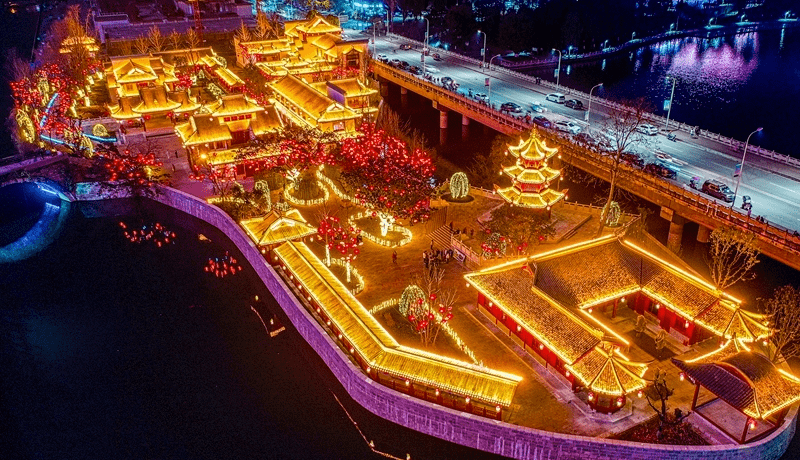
x=346 y=241
x=494 y=245
x=192 y=39
x=142 y=44
x=175 y=40
x=263 y=195
x=137 y=169
x=429 y=306
x=783 y=309
x=329 y=229
x=243 y=33
x=732 y=254
x=222 y=179
x=411 y=296
x=385 y=176
x=459 y=186
x=268 y=26
x=156 y=39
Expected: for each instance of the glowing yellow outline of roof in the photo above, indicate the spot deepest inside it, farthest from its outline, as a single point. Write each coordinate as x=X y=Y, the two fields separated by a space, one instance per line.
x=627 y=376
x=274 y=228
x=213 y=131
x=293 y=89
x=532 y=149
x=230 y=78
x=534 y=200
x=379 y=349
x=531 y=176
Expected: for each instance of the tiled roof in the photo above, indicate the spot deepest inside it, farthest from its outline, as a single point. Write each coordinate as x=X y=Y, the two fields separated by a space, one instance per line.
x=531 y=176
x=378 y=348
x=532 y=149
x=233 y=104
x=265 y=121
x=603 y=372
x=310 y=101
x=274 y=228
x=512 y=289
x=318 y=26
x=545 y=198
x=746 y=380
x=154 y=99
x=188 y=103
x=227 y=76
x=123 y=111
x=202 y=128
x=351 y=87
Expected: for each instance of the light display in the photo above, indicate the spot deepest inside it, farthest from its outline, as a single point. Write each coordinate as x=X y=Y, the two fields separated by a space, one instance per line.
x=494 y=246
x=406 y=233
x=412 y=295
x=385 y=176
x=459 y=186
x=222 y=266
x=153 y=233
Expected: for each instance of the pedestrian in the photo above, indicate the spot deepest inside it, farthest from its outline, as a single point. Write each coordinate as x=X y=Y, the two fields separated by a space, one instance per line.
x=425 y=258
x=451 y=226
x=394 y=257
x=431 y=244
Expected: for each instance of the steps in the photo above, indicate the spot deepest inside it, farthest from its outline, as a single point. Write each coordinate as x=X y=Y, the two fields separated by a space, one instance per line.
x=441 y=237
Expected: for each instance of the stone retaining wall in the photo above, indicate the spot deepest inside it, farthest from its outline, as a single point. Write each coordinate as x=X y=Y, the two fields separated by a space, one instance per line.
x=458 y=427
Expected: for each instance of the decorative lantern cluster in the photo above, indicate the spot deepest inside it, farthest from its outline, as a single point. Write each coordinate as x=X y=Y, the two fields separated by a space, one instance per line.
x=154 y=233
x=222 y=266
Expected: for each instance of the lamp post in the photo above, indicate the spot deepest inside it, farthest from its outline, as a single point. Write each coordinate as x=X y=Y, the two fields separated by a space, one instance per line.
x=558 y=70
x=489 y=97
x=425 y=49
x=589 y=108
x=741 y=167
x=671 y=95
x=483 y=50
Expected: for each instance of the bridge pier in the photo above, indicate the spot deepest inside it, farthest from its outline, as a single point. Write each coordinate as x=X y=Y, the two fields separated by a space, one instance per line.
x=675 y=234
x=384 y=88
x=443 y=118
x=703 y=234
x=403 y=91
x=464 y=120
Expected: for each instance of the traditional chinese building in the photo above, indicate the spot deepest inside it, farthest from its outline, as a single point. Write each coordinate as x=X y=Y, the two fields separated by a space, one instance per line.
x=306 y=106
x=556 y=305
x=228 y=122
x=138 y=88
x=276 y=228
x=531 y=175
x=351 y=93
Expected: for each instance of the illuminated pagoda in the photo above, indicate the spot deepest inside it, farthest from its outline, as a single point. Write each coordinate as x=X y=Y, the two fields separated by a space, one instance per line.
x=745 y=380
x=455 y=384
x=558 y=304
x=278 y=227
x=531 y=176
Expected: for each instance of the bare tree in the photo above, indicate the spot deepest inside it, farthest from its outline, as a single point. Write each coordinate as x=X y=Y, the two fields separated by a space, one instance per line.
x=658 y=393
x=620 y=129
x=126 y=47
x=156 y=39
x=192 y=39
x=783 y=309
x=732 y=254
x=142 y=44
x=175 y=40
x=243 y=33
x=267 y=26
x=435 y=310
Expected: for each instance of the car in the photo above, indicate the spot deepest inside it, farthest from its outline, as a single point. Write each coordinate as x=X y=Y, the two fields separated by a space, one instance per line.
x=405 y=46
x=537 y=107
x=395 y=62
x=542 y=121
x=511 y=107
x=558 y=98
x=404 y=65
x=382 y=58
x=718 y=189
x=660 y=170
x=632 y=159
x=585 y=139
x=648 y=129
x=447 y=80
x=567 y=127
x=574 y=104
x=436 y=57
x=482 y=97
x=415 y=70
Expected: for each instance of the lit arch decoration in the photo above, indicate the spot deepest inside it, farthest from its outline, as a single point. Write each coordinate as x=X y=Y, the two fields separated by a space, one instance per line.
x=410 y=297
x=100 y=130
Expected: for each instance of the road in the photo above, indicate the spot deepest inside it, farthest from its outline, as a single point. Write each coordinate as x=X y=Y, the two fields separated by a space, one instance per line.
x=773 y=186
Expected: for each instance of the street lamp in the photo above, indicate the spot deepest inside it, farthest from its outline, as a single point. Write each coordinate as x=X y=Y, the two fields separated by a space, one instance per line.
x=488 y=79
x=589 y=108
x=483 y=50
x=425 y=49
x=741 y=167
x=671 y=95
x=633 y=35
x=605 y=45
x=558 y=70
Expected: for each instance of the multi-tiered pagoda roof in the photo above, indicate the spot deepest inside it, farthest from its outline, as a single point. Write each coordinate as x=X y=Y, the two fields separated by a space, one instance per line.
x=531 y=175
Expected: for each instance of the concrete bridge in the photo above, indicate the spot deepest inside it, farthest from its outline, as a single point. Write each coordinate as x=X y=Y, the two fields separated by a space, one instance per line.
x=678 y=204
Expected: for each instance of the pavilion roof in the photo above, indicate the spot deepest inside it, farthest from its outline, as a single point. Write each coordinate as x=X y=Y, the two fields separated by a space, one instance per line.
x=278 y=227
x=267 y=47
x=326 y=42
x=310 y=101
x=318 y=25
x=604 y=372
x=188 y=103
x=202 y=128
x=124 y=110
x=227 y=76
x=747 y=380
x=141 y=69
x=154 y=99
x=532 y=149
x=351 y=87
x=535 y=200
x=512 y=288
x=378 y=348
x=233 y=104
x=266 y=121
x=520 y=173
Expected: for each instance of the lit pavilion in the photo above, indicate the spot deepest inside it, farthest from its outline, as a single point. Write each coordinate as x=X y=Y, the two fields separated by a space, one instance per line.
x=531 y=176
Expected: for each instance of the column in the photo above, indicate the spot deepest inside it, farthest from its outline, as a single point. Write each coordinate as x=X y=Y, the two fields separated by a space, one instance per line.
x=403 y=90
x=675 y=233
x=443 y=119
x=464 y=120
x=703 y=234
x=384 y=89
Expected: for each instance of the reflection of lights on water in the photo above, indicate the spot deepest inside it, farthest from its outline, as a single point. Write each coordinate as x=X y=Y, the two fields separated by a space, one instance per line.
x=222 y=266
x=154 y=233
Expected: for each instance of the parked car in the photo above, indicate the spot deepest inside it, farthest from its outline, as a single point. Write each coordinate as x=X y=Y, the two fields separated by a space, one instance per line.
x=542 y=121
x=482 y=97
x=660 y=171
x=382 y=58
x=586 y=139
x=567 y=127
x=404 y=65
x=632 y=159
x=436 y=57
x=447 y=80
x=648 y=129
x=395 y=62
x=718 y=190
x=574 y=104
x=537 y=107
x=558 y=98
x=405 y=46
x=511 y=107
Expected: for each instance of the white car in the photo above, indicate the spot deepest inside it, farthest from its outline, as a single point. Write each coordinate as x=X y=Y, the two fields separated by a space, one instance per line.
x=482 y=97
x=382 y=58
x=558 y=98
x=648 y=129
x=567 y=126
x=537 y=107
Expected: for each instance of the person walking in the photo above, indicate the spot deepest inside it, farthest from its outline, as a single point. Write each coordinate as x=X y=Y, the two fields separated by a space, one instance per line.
x=425 y=258
x=394 y=257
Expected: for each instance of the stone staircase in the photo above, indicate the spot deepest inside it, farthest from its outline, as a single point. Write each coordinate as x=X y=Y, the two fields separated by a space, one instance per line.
x=441 y=237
